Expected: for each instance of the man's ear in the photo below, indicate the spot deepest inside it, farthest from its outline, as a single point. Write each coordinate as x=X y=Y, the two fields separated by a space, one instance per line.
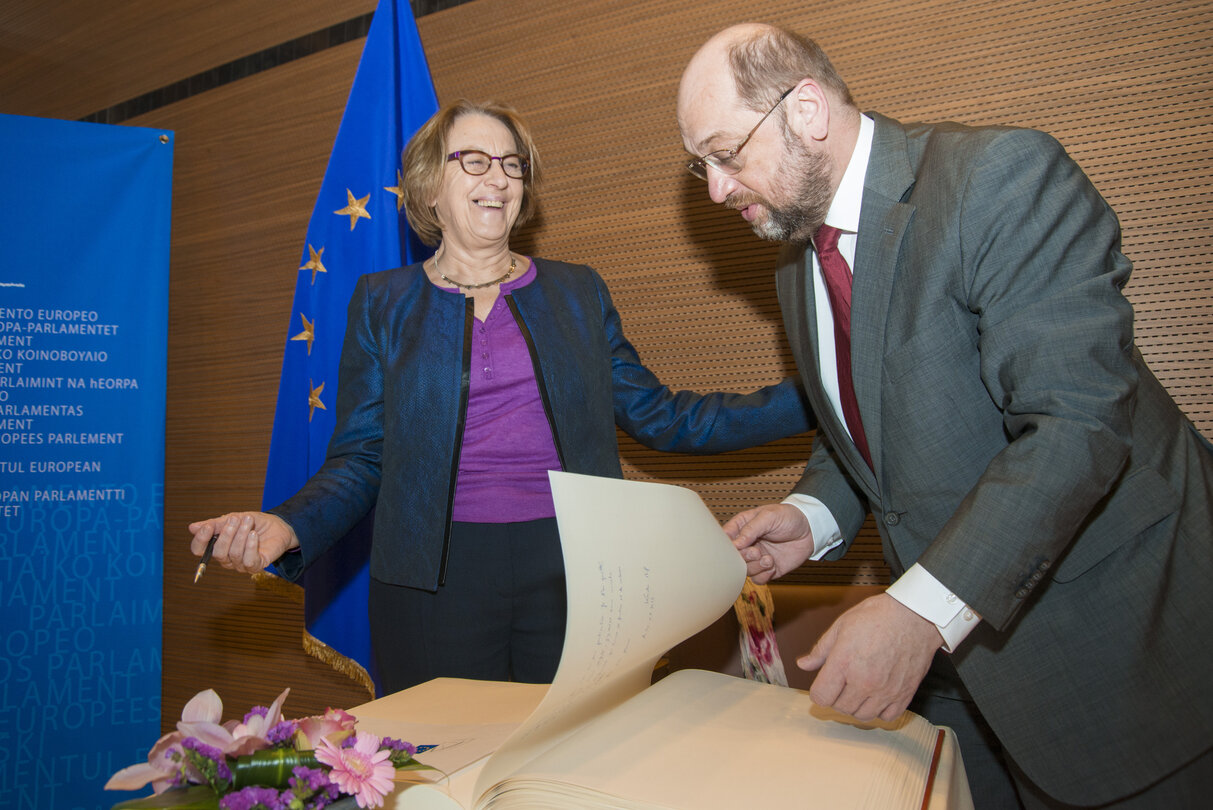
x=808 y=110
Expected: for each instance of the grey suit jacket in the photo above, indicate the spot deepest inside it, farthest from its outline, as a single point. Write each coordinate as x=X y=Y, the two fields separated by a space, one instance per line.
x=1023 y=453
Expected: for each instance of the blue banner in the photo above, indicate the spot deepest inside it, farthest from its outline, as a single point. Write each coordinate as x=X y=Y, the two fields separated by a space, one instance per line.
x=357 y=227
x=83 y=325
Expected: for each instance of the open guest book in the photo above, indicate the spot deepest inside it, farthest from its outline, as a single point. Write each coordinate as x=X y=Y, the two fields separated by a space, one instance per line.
x=647 y=566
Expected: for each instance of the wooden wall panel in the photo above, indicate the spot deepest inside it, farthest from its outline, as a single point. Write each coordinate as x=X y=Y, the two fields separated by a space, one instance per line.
x=72 y=58
x=1124 y=84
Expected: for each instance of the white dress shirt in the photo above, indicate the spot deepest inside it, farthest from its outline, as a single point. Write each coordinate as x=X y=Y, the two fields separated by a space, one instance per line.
x=917 y=589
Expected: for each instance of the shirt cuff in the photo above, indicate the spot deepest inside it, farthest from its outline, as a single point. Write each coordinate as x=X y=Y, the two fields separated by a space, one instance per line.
x=826 y=534
x=922 y=593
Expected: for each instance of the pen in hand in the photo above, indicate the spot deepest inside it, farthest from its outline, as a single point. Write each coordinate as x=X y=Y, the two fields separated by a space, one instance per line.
x=206 y=557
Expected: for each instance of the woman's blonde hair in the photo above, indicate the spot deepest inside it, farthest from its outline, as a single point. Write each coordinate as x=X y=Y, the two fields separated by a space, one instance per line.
x=424 y=161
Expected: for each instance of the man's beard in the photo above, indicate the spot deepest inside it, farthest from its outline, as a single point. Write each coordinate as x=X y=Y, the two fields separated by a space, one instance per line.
x=804 y=180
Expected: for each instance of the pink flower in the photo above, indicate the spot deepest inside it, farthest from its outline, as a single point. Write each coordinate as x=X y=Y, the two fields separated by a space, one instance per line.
x=160 y=769
x=164 y=761
x=201 y=720
x=334 y=725
x=361 y=770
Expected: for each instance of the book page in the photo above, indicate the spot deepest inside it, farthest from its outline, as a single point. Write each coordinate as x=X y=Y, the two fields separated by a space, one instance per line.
x=708 y=740
x=464 y=720
x=647 y=565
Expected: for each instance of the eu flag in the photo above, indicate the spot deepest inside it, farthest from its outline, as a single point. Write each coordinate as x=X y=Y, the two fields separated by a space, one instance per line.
x=357 y=227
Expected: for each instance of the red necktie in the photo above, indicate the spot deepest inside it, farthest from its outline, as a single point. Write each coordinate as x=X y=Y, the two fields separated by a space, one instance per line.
x=838 y=281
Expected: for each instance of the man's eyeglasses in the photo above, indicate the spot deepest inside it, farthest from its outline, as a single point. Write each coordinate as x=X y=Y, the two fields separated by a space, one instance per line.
x=725 y=160
x=475 y=162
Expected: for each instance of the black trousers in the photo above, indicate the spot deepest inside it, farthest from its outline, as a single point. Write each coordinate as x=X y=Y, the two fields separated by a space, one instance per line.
x=499 y=616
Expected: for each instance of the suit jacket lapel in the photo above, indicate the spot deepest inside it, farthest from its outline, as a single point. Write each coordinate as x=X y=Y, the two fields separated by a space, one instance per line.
x=883 y=221
x=794 y=282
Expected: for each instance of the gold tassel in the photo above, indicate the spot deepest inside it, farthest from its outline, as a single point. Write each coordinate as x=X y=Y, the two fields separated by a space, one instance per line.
x=340 y=663
x=279 y=586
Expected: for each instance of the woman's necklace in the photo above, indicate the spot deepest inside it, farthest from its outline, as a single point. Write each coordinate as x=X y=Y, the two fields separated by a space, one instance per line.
x=508 y=273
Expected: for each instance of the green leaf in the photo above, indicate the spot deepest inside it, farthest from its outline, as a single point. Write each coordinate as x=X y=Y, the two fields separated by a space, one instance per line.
x=271 y=767
x=194 y=797
x=414 y=765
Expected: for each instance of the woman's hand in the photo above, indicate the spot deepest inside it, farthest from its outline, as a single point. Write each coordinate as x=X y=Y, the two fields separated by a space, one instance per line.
x=247 y=541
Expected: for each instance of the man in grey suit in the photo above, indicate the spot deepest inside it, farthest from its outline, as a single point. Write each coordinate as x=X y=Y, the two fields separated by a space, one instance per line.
x=1044 y=505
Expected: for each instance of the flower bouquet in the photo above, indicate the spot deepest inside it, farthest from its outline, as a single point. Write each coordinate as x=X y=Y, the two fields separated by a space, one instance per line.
x=265 y=762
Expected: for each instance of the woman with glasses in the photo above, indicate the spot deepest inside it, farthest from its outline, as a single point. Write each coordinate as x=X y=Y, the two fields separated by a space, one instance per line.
x=463 y=380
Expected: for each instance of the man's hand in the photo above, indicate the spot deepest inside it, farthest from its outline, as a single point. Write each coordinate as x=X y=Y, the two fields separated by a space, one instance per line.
x=872 y=659
x=772 y=539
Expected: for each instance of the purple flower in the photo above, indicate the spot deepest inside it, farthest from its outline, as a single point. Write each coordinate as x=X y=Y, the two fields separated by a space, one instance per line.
x=281 y=733
x=211 y=753
x=393 y=744
x=256 y=711
x=253 y=797
x=357 y=764
x=311 y=779
x=312 y=788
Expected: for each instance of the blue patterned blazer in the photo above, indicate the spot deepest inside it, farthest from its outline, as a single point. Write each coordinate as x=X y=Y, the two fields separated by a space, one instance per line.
x=402 y=399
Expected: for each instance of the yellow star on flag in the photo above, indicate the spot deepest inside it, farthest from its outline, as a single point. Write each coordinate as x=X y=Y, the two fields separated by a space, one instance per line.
x=355 y=209
x=313 y=399
x=314 y=264
x=308 y=334
x=398 y=190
